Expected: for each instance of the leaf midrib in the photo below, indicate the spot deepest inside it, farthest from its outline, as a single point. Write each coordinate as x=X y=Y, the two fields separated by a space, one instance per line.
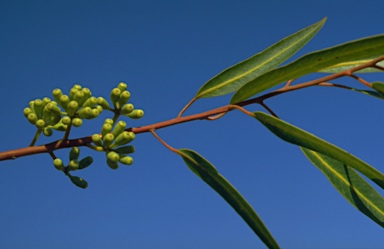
x=303 y=69
x=347 y=183
x=250 y=71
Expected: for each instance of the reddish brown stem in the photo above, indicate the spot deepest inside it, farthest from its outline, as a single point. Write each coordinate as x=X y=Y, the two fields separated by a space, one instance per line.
x=60 y=144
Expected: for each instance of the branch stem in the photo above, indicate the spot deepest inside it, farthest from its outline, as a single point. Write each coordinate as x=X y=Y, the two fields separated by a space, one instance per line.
x=86 y=141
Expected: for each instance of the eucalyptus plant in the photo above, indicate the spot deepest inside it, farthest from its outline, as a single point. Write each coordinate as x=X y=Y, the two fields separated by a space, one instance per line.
x=250 y=82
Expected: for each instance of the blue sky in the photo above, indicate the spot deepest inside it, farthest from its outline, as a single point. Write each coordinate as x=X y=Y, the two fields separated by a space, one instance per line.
x=164 y=51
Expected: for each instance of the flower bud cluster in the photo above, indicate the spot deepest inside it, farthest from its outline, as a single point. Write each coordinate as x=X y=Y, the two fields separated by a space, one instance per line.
x=57 y=114
x=113 y=141
x=119 y=97
x=78 y=105
x=45 y=115
x=65 y=111
x=74 y=164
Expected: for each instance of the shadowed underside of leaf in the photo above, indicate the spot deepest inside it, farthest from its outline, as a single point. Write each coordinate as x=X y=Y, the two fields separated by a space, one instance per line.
x=313 y=62
x=352 y=186
x=208 y=173
x=234 y=77
x=297 y=136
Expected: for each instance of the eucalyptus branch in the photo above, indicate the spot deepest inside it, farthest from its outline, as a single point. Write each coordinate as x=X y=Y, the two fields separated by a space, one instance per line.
x=85 y=141
x=253 y=76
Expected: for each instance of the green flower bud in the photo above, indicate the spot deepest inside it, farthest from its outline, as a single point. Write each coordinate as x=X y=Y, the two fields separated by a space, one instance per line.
x=112 y=165
x=27 y=111
x=77 y=122
x=53 y=108
x=128 y=108
x=72 y=108
x=85 y=112
x=136 y=114
x=72 y=93
x=40 y=124
x=38 y=105
x=53 y=120
x=79 y=182
x=74 y=153
x=87 y=93
x=85 y=162
x=113 y=156
x=32 y=105
x=115 y=94
x=58 y=163
x=103 y=103
x=90 y=102
x=32 y=118
x=106 y=129
x=77 y=86
x=123 y=99
x=94 y=113
x=66 y=120
x=123 y=138
x=99 y=108
x=73 y=164
x=47 y=132
x=57 y=93
x=109 y=121
x=119 y=128
x=96 y=139
x=125 y=149
x=127 y=160
x=122 y=86
x=79 y=97
x=107 y=140
x=64 y=101
x=46 y=100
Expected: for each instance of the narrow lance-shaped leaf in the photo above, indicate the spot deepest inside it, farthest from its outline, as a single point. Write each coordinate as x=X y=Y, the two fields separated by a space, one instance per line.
x=208 y=173
x=368 y=92
x=350 y=64
x=234 y=77
x=352 y=186
x=312 y=62
x=297 y=136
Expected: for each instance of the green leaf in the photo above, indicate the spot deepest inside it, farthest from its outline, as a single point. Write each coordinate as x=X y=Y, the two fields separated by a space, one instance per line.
x=208 y=173
x=304 y=139
x=370 y=93
x=312 y=62
x=350 y=64
x=378 y=86
x=234 y=77
x=352 y=186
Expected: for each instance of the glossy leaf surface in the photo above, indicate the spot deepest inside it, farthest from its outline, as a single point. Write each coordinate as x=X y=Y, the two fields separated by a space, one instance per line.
x=234 y=77
x=208 y=173
x=295 y=135
x=352 y=186
x=312 y=62
x=350 y=64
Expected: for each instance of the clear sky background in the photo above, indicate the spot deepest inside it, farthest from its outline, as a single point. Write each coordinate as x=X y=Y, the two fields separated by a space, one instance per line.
x=164 y=51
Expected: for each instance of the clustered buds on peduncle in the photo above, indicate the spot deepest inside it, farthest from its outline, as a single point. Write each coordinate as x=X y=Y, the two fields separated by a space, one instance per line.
x=47 y=114
x=109 y=141
x=73 y=165
x=70 y=110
